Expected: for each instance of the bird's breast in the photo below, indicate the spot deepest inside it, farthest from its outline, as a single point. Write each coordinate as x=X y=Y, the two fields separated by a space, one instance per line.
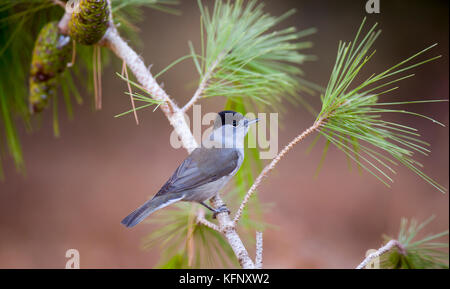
x=206 y=191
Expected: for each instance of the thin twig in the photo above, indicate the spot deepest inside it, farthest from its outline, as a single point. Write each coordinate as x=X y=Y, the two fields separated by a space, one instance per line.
x=201 y=220
x=259 y=250
x=198 y=93
x=383 y=250
x=272 y=165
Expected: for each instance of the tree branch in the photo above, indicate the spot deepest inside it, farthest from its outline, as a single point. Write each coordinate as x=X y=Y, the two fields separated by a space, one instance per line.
x=176 y=118
x=272 y=165
x=175 y=115
x=383 y=250
x=228 y=229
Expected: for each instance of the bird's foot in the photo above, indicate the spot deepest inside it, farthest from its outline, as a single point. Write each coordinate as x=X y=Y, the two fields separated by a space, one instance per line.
x=221 y=209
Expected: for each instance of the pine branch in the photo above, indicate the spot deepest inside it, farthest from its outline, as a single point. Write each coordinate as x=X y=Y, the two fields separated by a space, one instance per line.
x=174 y=114
x=244 y=56
x=383 y=250
x=20 y=20
x=337 y=106
x=332 y=106
x=352 y=113
x=424 y=253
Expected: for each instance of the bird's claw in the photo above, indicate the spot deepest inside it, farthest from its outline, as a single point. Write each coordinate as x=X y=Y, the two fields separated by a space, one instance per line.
x=219 y=210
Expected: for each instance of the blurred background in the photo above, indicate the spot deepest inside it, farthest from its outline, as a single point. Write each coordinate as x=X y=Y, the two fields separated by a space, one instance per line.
x=78 y=187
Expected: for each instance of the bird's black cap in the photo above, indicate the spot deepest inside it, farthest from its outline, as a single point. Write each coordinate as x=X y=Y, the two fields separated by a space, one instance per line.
x=227 y=117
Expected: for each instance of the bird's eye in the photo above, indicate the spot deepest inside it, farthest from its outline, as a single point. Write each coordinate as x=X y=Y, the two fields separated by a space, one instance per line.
x=234 y=123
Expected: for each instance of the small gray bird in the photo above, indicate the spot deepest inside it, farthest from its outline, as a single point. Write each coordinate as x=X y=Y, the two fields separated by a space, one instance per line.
x=205 y=171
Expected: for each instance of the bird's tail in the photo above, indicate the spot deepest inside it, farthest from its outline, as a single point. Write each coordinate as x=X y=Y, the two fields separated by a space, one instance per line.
x=149 y=207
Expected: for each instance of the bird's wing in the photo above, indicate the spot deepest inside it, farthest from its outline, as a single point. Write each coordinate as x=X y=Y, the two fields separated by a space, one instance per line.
x=202 y=166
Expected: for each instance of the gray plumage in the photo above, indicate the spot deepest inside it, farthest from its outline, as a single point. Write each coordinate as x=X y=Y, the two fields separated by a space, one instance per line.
x=203 y=173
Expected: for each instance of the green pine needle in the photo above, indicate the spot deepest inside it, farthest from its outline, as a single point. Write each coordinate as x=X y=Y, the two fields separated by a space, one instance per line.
x=20 y=22
x=210 y=248
x=243 y=56
x=135 y=5
x=425 y=253
x=351 y=113
x=139 y=97
x=127 y=13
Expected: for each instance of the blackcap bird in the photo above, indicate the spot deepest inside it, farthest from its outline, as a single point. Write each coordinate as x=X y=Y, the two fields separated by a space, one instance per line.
x=205 y=171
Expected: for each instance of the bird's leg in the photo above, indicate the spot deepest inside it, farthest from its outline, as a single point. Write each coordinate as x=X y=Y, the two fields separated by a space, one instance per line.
x=208 y=207
x=221 y=209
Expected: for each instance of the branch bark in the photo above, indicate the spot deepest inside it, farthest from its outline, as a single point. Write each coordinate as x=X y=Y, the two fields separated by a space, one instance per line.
x=176 y=118
x=175 y=115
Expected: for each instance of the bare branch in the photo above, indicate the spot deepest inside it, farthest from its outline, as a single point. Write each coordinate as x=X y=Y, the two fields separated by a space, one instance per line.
x=259 y=250
x=383 y=250
x=272 y=165
x=175 y=115
x=197 y=94
x=176 y=118
x=201 y=220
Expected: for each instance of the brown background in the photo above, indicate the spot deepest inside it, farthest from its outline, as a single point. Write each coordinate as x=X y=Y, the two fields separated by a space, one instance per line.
x=77 y=188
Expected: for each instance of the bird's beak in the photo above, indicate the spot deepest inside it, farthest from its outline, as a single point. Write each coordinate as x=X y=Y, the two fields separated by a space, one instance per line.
x=252 y=121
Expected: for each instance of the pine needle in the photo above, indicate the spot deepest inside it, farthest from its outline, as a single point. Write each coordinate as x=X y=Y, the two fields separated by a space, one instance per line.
x=242 y=56
x=424 y=253
x=351 y=113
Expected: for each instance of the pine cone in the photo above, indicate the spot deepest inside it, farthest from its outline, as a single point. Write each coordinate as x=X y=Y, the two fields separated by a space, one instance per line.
x=52 y=51
x=40 y=93
x=88 y=24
